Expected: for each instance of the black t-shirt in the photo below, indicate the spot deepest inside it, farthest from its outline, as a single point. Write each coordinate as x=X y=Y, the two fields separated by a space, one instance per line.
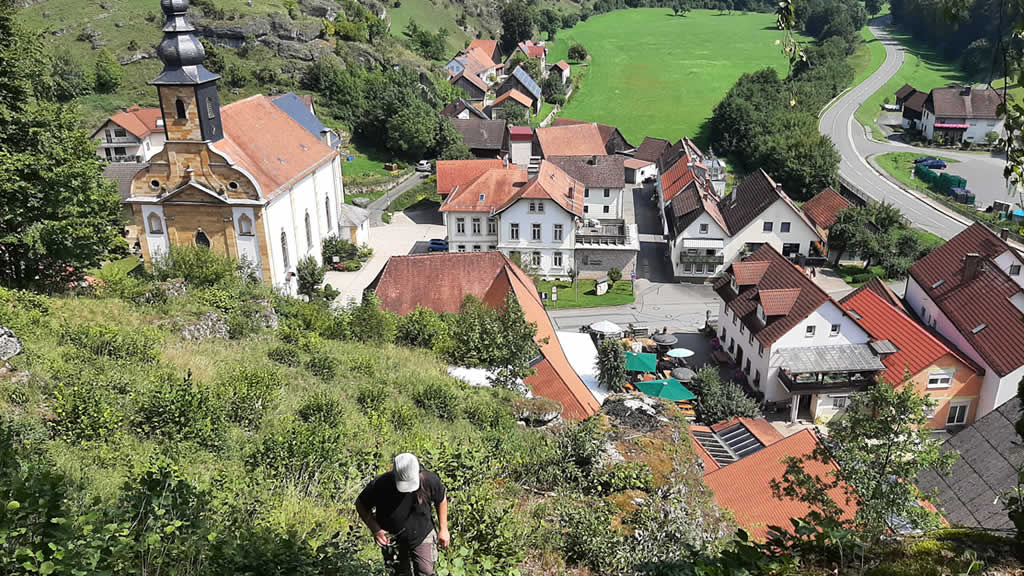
x=401 y=514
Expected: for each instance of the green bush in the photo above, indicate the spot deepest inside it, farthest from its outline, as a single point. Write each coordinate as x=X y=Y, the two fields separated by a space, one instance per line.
x=862 y=278
x=197 y=265
x=322 y=408
x=323 y=366
x=310 y=276
x=285 y=355
x=115 y=343
x=587 y=536
x=369 y=323
x=421 y=328
x=177 y=409
x=334 y=246
x=85 y=410
x=305 y=455
x=248 y=392
x=614 y=274
x=621 y=476
x=372 y=397
x=438 y=397
x=487 y=412
x=487 y=524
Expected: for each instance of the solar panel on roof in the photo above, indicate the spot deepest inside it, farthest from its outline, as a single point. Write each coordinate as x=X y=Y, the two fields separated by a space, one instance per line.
x=739 y=439
x=526 y=81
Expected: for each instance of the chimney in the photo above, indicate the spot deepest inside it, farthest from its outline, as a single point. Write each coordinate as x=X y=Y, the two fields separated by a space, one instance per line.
x=972 y=264
x=1004 y=233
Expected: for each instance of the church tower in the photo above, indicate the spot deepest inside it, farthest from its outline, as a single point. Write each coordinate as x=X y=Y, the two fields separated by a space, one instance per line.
x=187 y=90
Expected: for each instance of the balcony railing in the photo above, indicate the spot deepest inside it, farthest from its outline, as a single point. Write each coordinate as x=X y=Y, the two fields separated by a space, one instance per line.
x=607 y=232
x=120 y=140
x=796 y=383
x=701 y=259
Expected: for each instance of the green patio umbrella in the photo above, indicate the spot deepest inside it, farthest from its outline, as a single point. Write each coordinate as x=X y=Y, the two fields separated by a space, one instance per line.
x=641 y=362
x=669 y=389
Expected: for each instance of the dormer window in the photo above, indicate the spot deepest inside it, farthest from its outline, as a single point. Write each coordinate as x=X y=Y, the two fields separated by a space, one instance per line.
x=179 y=108
x=760 y=315
x=732 y=284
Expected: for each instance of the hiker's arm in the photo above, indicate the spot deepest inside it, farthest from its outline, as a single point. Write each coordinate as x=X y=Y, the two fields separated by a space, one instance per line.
x=378 y=533
x=443 y=537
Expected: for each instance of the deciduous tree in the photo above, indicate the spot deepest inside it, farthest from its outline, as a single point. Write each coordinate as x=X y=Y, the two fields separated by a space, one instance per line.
x=577 y=52
x=516 y=25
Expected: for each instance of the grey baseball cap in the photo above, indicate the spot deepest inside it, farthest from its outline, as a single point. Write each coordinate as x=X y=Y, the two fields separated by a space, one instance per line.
x=407 y=472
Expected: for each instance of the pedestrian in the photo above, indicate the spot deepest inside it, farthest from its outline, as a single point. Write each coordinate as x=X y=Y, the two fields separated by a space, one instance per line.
x=397 y=508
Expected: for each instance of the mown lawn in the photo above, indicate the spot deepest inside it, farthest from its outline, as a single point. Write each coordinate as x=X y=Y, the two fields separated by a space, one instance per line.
x=900 y=164
x=621 y=293
x=869 y=56
x=655 y=74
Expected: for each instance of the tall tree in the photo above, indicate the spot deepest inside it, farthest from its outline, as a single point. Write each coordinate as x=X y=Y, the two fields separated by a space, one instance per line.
x=516 y=114
x=516 y=25
x=549 y=21
x=879 y=444
x=71 y=78
x=58 y=214
x=516 y=348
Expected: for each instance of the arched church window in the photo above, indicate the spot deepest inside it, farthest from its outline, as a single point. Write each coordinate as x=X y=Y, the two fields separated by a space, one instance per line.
x=202 y=239
x=284 y=251
x=155 y=226
x=179 y=107
x=327 y=208
x=309 y=231
x=244 y=225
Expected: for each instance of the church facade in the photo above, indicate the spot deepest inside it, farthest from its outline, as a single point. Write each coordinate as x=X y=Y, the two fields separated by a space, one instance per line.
x=245 y=180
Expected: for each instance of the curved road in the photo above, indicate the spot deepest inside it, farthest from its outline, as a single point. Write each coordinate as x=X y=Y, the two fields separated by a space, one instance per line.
x=984 y=173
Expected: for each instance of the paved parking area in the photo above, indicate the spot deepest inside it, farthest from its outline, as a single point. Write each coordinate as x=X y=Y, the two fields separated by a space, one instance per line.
x=408 y=233
x=682 y=308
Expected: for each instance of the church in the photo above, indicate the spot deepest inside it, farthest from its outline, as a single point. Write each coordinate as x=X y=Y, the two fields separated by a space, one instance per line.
x=245 y=180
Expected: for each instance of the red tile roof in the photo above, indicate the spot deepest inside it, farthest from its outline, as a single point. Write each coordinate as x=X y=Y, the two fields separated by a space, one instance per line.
x=488 y=276
x=979 y=308
x=918 y=349
x=497 y=187
x=268 y=144
x=744 y=487
x=552 y=183
x=881 y=290
x=532 y=49
x=607 y=131
x=636 y=163
x=481 y=55
x=452 y=173
x=520 y=133
x=824 y=207
x=140 y=122
x=571 y=140
x=515 y=95
x=489 y=47
x=778 y=302
x=675 y=179
x=561 y=64
x=761 y=429
x=766 y=269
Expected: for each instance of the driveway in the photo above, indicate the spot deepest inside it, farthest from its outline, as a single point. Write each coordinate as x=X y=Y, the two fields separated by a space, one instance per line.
x=648 y=218
x=403 y=236
x=682 y=308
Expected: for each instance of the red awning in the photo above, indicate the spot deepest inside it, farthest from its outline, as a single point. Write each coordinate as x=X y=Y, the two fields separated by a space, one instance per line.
x=957 y=126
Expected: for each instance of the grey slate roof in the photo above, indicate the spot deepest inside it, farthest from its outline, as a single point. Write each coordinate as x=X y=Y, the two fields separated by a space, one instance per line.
x=481 y=134
x=594 y=171
x=123 y=173
x=352 y=216
x=292 y=105
x=825 y=359
x=989 y=457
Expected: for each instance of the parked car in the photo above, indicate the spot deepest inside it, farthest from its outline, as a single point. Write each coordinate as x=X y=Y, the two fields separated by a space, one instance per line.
x=890 y=108
x=934 y=164
x=923 y=159
x=424 y=166
x=437 y=245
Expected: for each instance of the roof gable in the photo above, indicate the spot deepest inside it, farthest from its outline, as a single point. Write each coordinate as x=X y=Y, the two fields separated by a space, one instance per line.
x=139 y=122
x=552 y=183
x=454 y=173
x=594 y=171
x=824 y=208
x=514 y=95
x=481 y=134
x=526 y=82
x=572 y=140
x=489 y=192
x=651 y=149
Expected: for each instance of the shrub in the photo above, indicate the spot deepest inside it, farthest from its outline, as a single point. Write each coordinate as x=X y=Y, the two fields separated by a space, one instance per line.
x=310 y=456
x=85 y=411
x=718 y=401
x=334 y=246
x=488 y=413
x=369 y=323
x=587 y=536
x=611 y=365
x=421 y=328
x=991 y=137
x=249 y=391
x=322 y=408
x=862 y=278
x=372 y=397
x=577 y=53
x=197 y=265
x=285 y=355
x=107 y=341
x=322 y=366
x=178 y=409
x=623 y=476
x=488 y=524
x=614 y=274
x=310 y=275
x=438 y=397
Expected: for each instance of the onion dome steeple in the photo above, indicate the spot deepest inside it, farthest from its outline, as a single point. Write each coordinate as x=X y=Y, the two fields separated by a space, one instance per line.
x=180 y=50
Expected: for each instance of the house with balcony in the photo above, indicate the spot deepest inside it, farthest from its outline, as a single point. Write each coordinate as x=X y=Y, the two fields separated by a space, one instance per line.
x=918 y=358
x=533 y=215
x=132 y=135
x=604 y=178
x=789 y=341
x=705 y=232
x=961 y=114
x=970 y=290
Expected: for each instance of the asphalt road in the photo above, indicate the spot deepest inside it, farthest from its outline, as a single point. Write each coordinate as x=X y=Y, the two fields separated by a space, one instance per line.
x=983 y=172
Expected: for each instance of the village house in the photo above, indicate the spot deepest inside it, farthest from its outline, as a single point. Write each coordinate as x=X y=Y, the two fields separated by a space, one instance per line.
x=475 y=64
x=604 y=178
x=533 y=49
x=706 y=233
x=245 y=180
x=132 y=135
x=520 y=146
x=496 y=109
x=823 y=209
x=790 y=341
x=533 y=215
x=489 y=277
x=462 y=109
x=930 y=364
x=569 y=140
x=614 y=141
x=475 y=88
x=913 y=110
x=561 y=68
x=520 y=81
x=961 y=114
x=485 y=138
x=742 y=457
x=969 y=290
x=488 y=48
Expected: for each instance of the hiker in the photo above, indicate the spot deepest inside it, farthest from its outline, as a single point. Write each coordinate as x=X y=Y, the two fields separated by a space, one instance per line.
x=396 y=507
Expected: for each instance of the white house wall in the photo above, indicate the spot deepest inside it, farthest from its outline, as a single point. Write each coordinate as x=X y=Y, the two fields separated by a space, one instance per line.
x=520 y=152
x=467 y=239
x=777 y=213
x=547 y=246
x=594 y=203
x=715 y=232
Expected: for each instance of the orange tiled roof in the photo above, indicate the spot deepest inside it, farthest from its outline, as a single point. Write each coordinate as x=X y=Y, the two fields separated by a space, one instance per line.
x=140 y=122
x=488 y=46
x=749 y=273
x=552 y=183
x=532 y=49
x=515 y=95
x=268 y=144
x=572 y=140
x=561 y=64
x=778 y=302
x=488 y=192
x=824 y=207
x=744 y=487
x=482 y=56
x=452 y=173
x=488 y=276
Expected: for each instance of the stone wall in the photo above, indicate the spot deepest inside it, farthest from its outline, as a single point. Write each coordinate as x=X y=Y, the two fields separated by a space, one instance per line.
x=595 y=262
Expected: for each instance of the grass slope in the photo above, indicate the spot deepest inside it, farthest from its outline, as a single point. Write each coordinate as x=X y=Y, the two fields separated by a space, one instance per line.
x=868 y=58
x=655 y=74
